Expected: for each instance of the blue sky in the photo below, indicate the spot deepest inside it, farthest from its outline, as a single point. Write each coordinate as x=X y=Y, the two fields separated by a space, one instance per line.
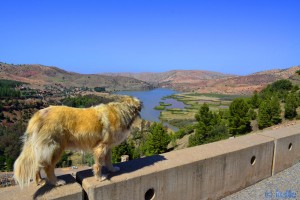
x=229 y=36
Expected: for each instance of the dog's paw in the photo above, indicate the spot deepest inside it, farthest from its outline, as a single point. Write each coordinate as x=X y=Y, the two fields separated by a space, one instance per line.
x=41 y=182
x=115 y=169
x=101 y=178
x=60 y=182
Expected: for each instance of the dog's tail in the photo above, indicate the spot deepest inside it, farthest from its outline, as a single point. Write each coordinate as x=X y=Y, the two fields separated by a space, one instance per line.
x=27 y=165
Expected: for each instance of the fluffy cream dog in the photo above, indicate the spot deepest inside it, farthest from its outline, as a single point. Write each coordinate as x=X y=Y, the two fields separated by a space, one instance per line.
x=56 y=128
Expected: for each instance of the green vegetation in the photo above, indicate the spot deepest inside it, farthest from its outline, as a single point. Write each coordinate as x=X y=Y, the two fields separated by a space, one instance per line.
x=9 y=92
x=159 y=107
x=99 y=89
x=298 y=72
x=277 y=102
x=162 y=106
x=84 y=101
x=291 y=104
x=209 y=128
x=65 y=160
x=279 y=92
x=279 y=88
x=10 y=83
x=269 y=112
x=146 y=142
x=239 y=121
x=125 y=148
x=157 y=141
x=7 y=88
x=10 y=145
x=184 y=117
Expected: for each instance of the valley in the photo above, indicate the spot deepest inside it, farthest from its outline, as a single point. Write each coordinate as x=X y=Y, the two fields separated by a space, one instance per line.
x=177 y=99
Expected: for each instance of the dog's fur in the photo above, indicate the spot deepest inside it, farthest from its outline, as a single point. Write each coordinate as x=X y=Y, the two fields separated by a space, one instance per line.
x=56 y=128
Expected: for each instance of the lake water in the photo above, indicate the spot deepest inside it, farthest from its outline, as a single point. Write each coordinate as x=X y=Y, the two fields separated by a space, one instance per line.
x=150 y=99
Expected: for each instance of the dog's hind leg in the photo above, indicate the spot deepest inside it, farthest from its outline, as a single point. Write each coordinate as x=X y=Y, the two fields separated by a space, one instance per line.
x=99 y=155
x=38 y=179
x=108 y=162
x=49 y=169
x=51 y=178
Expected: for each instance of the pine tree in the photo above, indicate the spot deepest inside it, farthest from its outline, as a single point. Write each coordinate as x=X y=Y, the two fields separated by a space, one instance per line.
x=209 y=128
x=125 y=148
x=264 y=119
x=269 y=113
x=275 y=110
x=239 y=121
x=157 y=140
x=290 y=107
x=255 y=100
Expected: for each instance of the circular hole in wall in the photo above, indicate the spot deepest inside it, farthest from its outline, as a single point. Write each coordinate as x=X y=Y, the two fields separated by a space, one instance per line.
x=150 y=194
x=253 y=159
x=290 y=146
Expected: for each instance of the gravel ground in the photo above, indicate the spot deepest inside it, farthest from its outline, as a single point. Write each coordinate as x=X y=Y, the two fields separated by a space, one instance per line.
x=284 y=185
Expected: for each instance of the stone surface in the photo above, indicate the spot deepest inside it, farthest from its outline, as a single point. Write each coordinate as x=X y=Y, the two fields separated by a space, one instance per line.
x=71 y=191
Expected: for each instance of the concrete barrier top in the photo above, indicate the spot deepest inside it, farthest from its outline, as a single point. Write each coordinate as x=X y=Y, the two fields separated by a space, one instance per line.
x=72 y=190
x=282 y=132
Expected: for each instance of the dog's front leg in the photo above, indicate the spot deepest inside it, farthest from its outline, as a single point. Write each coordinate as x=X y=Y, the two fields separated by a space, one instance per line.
x=109 y=164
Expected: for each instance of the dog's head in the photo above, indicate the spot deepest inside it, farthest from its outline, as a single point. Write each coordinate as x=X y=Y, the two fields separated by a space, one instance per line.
x=132 y=102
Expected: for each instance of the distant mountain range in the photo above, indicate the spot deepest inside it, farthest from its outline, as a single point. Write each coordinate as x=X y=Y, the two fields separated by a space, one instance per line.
x=174 y=76
x=39 y=76
x=181 y=80
x=214 y=82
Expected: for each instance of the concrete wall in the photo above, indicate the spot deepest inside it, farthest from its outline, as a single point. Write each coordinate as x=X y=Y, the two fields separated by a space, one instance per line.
x=287 y=147
x=208 y=171
x=204 y=172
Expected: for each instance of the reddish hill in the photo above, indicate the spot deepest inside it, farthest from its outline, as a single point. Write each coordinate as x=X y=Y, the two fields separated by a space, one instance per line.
x=176 y=76
x=39 y=76
x=213 y=82
x=181 y=80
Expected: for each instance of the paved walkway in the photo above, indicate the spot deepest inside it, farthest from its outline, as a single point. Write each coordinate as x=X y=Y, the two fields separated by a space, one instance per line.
x=284 y=185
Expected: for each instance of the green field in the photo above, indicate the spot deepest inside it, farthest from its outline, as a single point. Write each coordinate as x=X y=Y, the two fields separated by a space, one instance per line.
x=162 y=106
x=193 y=101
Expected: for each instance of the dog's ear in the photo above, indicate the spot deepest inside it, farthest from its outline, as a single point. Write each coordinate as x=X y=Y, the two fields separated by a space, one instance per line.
x=138 y=104
x=132 y=101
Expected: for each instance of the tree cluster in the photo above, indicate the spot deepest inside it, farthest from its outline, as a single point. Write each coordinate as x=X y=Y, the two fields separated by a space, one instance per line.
x=210 y=127
x=10 y=145
x=9 y=92
x=7 y=88
x=99 y=89
x=84 y=101
x=271 y=99
x=148 y=142
x=265 y=106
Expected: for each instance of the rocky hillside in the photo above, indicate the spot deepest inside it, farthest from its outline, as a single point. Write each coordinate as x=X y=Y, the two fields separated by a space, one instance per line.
x=213 y=82
x=39 y=76
x=174 y=76
x=181 y=80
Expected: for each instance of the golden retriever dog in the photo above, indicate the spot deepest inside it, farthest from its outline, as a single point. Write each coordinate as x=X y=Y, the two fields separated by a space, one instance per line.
x=52 y=130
